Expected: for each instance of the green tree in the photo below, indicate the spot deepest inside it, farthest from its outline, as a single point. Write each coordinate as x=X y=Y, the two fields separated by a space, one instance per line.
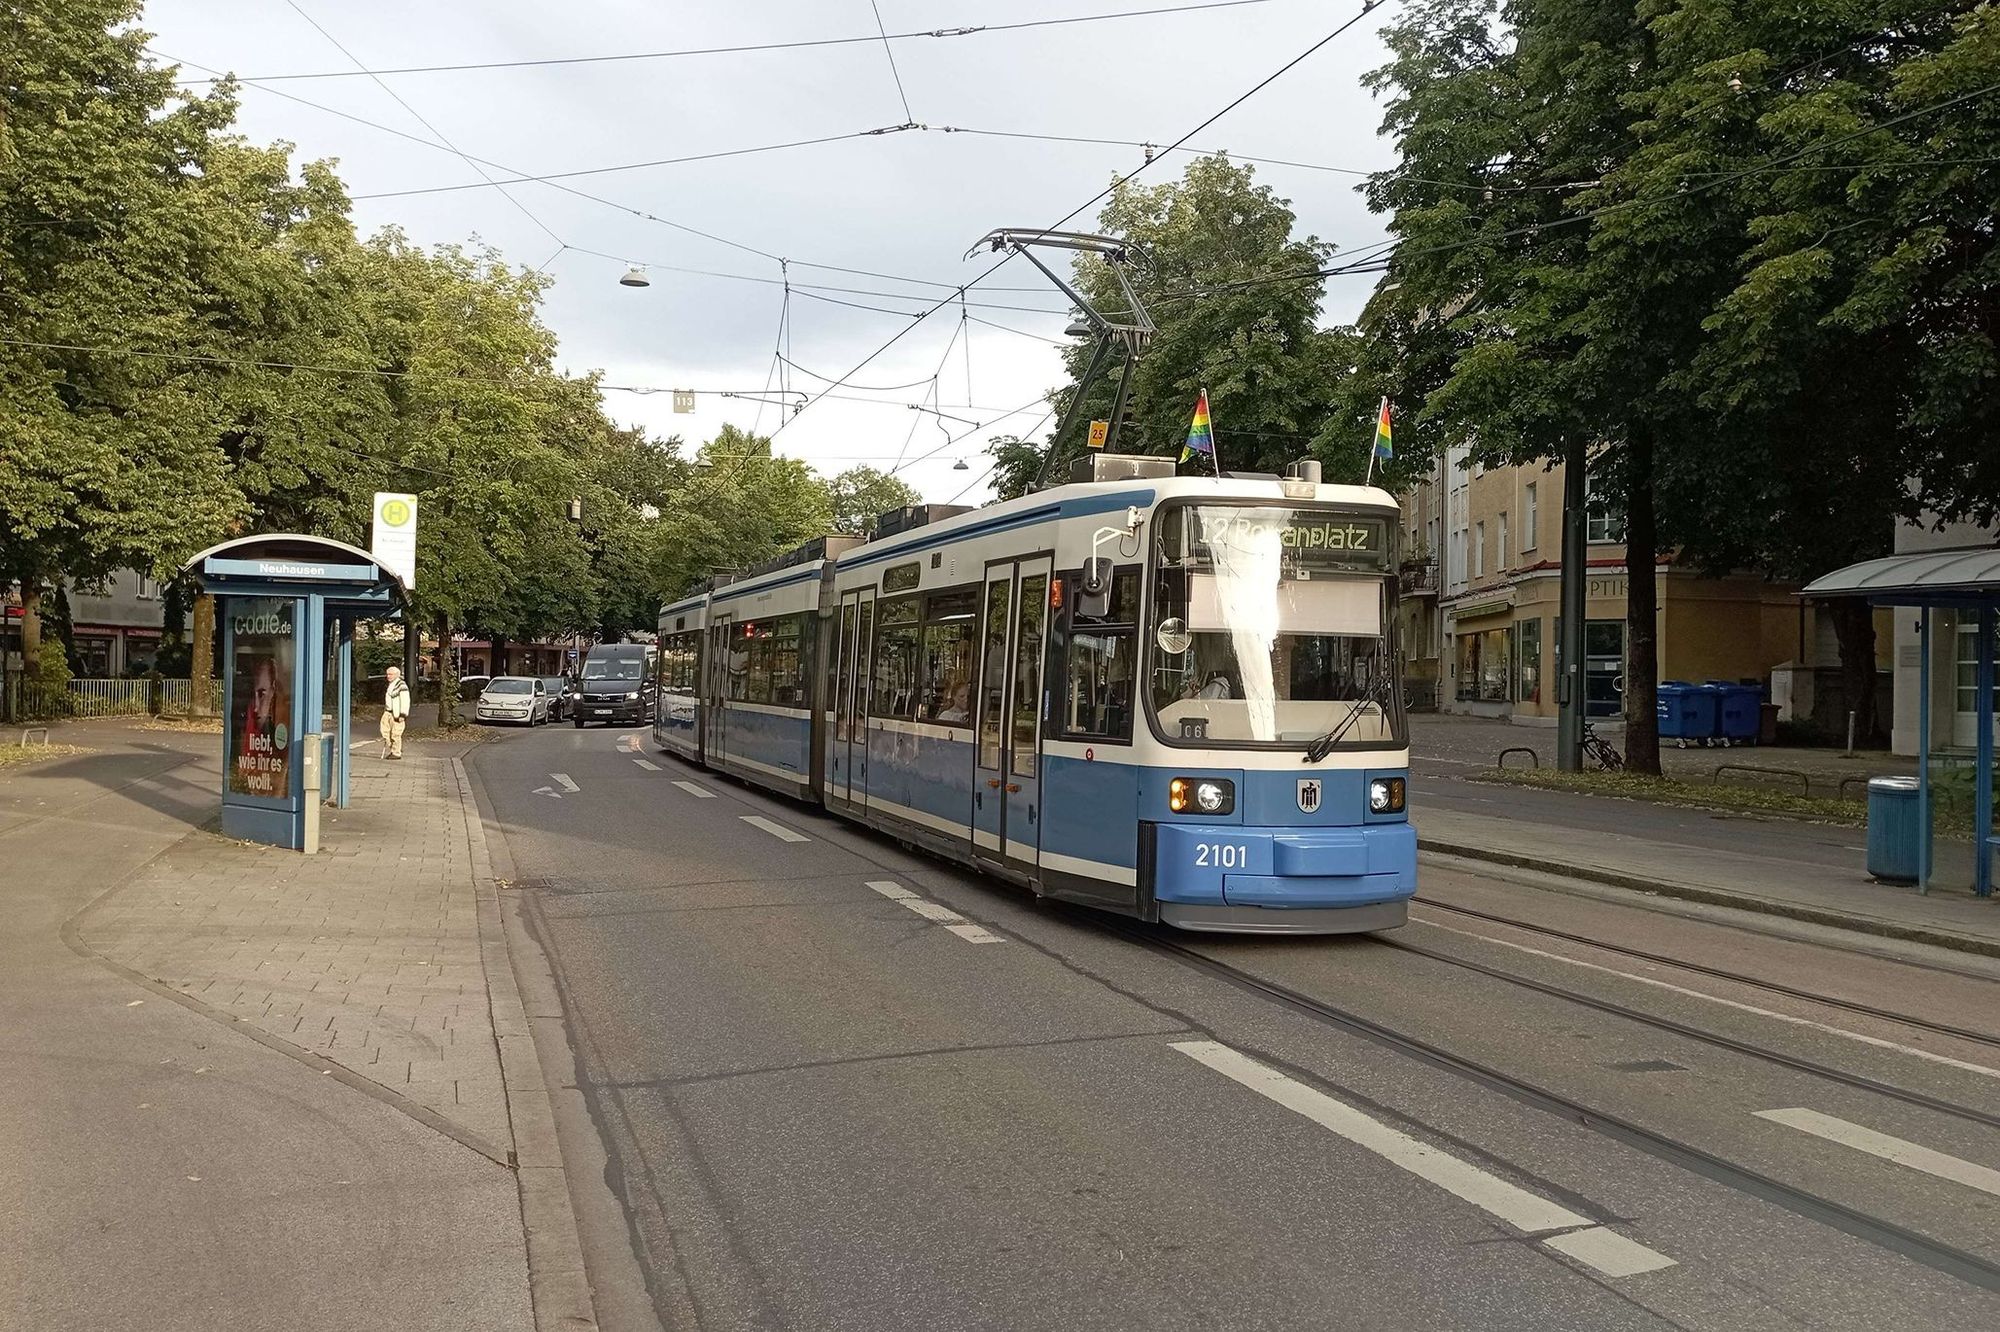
x=860 y=495
x=1205 y=247
x=739 y=505
x=111 y=459
x=1016 y=464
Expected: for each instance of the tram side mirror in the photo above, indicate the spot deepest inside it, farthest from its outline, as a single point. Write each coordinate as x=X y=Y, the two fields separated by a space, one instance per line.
x=1173 y=636
x=1093 y=589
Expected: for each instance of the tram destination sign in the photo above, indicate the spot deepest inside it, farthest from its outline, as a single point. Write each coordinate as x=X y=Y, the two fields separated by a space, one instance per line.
x=1307 y=536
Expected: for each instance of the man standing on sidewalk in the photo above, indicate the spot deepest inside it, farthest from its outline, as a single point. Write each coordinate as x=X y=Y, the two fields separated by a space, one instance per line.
x=395 y=714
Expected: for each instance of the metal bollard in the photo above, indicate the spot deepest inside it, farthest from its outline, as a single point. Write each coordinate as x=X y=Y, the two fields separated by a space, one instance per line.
x=1850 y=733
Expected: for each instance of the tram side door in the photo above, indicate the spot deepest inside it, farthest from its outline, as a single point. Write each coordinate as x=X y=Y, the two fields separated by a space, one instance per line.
x=715 y=690
x=1006 y=790
x=850 y=720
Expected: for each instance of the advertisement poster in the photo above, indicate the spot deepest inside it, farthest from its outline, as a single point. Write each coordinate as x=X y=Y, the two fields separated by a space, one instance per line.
x=260 y=709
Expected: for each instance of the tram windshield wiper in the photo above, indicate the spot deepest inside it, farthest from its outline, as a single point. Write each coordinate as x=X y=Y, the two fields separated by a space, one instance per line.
x=1323 y=746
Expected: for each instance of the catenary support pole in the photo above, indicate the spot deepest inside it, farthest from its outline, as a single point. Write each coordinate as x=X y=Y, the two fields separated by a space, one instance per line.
x=1924 y=750
x=1569 y=646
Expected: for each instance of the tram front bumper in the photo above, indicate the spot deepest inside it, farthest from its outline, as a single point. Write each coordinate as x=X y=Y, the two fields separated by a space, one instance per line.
x=1283 y=869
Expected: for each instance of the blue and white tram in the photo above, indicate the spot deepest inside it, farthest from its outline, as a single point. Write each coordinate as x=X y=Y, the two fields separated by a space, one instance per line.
x=1171 y=697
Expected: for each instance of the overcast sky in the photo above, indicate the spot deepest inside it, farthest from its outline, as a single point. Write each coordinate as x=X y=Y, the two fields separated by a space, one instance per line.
x=906 y=204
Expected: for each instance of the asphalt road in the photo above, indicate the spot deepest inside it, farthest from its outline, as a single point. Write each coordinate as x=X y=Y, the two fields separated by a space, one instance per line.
x=842 y=1085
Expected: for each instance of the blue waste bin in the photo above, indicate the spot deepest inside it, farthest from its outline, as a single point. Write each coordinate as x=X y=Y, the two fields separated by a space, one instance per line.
x=1894 y=829
x=1737 y=718
x=1686 y=712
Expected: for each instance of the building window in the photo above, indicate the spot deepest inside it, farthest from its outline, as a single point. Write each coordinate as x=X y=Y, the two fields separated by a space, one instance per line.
x=1478 y=549
x=148 y=589
x=1501 y=562
x=1485 y=666
x=1605 y=523
x=1528 y=667
x=1530 y=517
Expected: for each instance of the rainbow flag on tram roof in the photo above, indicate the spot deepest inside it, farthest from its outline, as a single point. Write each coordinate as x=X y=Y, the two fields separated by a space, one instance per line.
x=1201 y=435
x=1384 y=447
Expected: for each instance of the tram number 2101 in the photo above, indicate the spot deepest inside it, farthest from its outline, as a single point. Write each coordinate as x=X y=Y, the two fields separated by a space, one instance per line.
x=1221 y=855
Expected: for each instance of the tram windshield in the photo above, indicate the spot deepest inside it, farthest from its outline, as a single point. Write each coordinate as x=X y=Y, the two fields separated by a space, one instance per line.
x=1273 y=626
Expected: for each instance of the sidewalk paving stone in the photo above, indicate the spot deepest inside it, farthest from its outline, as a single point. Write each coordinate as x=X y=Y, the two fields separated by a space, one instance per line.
x=367 y=953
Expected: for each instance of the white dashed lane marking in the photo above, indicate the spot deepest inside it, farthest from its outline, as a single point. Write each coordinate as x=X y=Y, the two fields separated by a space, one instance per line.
x=936 y=911
x=776 y=829
x=647 y=764
x=1902 y=1152
x=1583 y=1239
x=697 y=791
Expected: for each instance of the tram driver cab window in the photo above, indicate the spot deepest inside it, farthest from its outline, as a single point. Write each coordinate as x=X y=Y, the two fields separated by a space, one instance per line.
x=1099 y=665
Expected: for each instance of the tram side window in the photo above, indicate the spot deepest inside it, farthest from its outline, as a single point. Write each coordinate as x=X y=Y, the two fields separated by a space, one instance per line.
x=898 y=634
x=736 y=663
x=1100 y=664
x=951 y=620
x=783 y=662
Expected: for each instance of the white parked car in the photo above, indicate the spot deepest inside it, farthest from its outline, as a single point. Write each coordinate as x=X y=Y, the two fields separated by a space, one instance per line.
x=514 y=698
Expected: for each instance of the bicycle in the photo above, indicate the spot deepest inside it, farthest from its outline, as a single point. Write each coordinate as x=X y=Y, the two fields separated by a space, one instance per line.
x=1599 y=750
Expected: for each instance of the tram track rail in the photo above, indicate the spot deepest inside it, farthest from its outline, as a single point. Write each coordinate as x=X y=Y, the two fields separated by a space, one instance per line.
x=1719 y=973
x=1939 y=1256
x=1689 y=1031
x=1935 y=1254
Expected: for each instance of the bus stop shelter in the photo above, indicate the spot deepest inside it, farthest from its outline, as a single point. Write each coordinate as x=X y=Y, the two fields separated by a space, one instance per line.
x=1966 y=582
x=286 y=606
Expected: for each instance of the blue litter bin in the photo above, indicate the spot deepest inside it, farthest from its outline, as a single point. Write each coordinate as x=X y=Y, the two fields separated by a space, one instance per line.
x=1894 y=829
x=1686 y=712
x=1737 y=717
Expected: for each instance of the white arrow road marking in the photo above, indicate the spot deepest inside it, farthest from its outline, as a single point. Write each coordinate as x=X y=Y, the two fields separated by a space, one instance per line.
x=1903 y=1153
x=647 y=764
x=630 y=744
x=777 y=830
x=562 y=780
x=698 y=792
x=548 y=791
x=1584 y=1240
x=929 y=910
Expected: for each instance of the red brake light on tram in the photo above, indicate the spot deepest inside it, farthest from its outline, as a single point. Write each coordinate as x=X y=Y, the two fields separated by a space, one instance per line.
x=1055 y=593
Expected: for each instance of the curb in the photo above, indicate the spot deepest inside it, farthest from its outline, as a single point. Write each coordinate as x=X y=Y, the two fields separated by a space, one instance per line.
x=558 y=1285
x=1769 y=906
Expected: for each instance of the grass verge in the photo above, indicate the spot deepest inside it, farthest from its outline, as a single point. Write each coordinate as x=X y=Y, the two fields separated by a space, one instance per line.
x=20 y=756
x=1673 y=791
x=1951 y=817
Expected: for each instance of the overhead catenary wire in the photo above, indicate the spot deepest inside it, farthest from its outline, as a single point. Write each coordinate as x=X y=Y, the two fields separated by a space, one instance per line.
x=793 y=45
x=435 y=131
x=889 y=50
x=1367 y=7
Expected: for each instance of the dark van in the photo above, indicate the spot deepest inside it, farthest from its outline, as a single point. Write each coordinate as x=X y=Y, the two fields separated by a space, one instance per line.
x=617 y=684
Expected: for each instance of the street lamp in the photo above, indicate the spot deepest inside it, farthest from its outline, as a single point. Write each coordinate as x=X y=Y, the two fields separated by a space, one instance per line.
x=961 y=466
x=635 y=276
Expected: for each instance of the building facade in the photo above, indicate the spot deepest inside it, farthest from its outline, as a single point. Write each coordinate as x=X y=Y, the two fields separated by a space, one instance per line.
x=1481 y=586
x=117 y=626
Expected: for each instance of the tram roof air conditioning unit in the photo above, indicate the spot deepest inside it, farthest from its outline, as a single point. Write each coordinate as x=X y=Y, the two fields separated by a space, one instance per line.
x=912 y=516
x=1119 y=467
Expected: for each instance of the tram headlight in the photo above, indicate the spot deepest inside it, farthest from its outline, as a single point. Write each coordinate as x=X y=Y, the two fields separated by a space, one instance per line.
x=1385 y=795
x=1205 y=795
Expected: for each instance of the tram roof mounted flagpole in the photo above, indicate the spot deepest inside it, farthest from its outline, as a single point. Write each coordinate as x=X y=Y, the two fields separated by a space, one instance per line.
x=1130 y=334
